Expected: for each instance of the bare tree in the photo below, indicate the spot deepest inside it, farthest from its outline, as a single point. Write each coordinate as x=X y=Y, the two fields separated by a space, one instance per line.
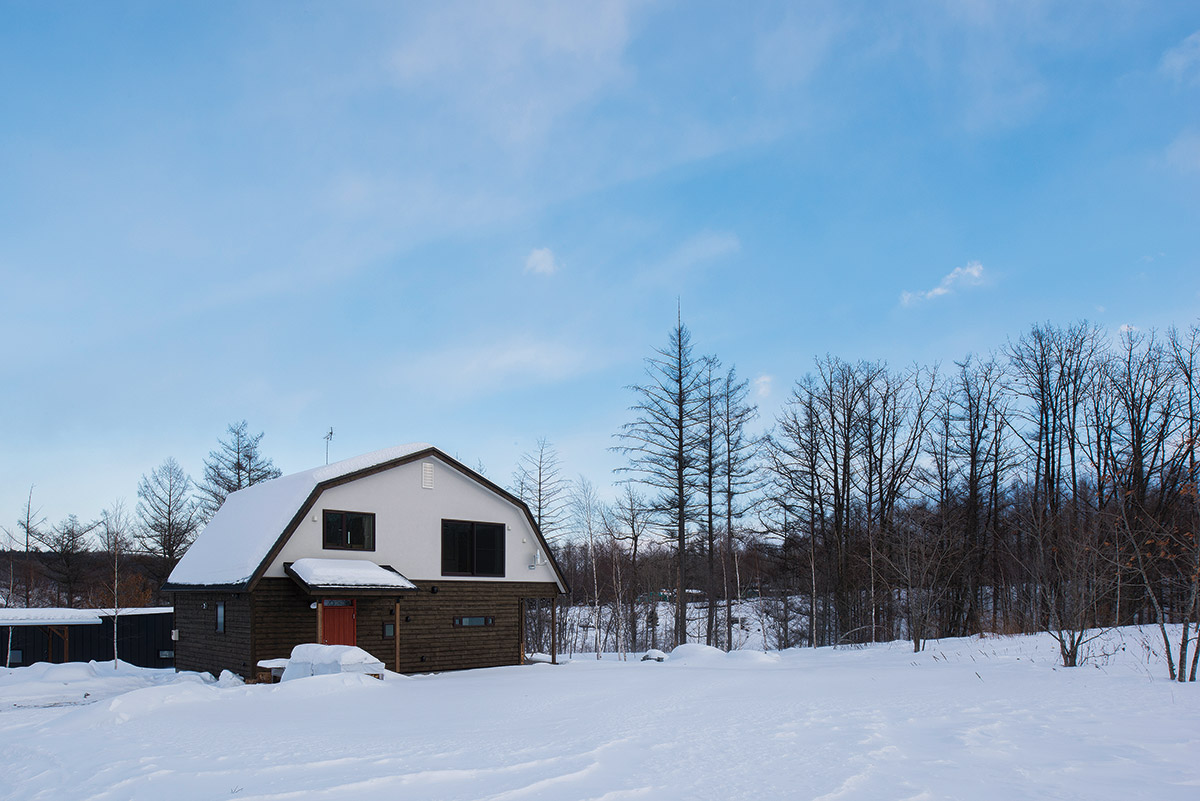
x=626 y=520
x=539 y=482
x=661 y=445
x=1185 y=351
x=115 y=538
x=586 y=511
x=30 y=525
x=66 y=546
x=739 y=475
x=169 y=515
x=922 y=558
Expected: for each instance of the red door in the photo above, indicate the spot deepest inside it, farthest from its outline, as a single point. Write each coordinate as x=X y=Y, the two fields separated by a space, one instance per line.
x=337 y=623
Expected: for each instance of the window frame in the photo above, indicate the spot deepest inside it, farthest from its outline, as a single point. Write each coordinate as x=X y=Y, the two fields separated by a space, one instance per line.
x=345 y=513
x=220 y=617
x=474 y=548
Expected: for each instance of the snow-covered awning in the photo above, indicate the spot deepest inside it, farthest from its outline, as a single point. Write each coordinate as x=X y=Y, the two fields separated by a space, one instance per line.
x=52 y=616
x=351 y=575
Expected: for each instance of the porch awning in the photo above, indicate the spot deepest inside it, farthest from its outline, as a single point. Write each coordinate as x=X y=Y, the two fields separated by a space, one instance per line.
x=319 y=576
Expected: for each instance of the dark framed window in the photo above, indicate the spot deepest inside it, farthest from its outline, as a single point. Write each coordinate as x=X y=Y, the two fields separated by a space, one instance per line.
x=389 y=630
x=471 y=548
x=471 y=622
x=220 y=617
x=348 y=531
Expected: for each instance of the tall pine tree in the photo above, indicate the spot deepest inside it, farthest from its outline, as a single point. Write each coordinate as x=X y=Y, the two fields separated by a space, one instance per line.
x=235 y=465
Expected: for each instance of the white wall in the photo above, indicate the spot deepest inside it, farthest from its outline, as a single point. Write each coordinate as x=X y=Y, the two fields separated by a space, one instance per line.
x=408 y=523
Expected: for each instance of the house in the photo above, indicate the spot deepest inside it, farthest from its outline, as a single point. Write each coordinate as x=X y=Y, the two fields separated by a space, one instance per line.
x=404 y=552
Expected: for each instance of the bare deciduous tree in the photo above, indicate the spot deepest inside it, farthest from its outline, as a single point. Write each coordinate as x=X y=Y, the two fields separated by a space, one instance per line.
x=169 y=515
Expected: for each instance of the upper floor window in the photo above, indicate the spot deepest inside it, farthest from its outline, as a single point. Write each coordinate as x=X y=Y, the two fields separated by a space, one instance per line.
x=349 y=530
x=472 y=549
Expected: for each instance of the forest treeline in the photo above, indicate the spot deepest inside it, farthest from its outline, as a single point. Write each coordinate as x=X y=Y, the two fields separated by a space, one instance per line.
x=1049 y=486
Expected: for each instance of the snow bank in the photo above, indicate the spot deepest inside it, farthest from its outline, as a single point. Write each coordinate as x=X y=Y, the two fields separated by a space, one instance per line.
x=989 y=719
x=311 y=659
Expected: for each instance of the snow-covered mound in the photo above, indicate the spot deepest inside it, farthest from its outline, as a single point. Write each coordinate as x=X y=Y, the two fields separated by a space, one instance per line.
x=311 y=659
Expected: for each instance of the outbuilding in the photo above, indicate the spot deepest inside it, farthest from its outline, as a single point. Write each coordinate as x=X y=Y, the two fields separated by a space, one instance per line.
x=405 y=553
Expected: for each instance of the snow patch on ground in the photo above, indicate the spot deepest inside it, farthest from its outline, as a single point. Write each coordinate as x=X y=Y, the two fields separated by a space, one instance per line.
x=980 y=718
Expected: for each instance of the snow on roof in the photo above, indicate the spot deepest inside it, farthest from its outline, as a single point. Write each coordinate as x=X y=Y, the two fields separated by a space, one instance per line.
x=12 y=616
x=348 y=573
x=136 y=610
x=233 y=544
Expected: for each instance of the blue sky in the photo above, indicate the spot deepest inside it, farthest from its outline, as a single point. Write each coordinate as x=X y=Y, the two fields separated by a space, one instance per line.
x=468 y=223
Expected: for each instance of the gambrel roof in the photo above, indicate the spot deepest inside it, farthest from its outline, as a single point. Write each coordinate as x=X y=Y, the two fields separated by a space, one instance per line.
x=253 y=524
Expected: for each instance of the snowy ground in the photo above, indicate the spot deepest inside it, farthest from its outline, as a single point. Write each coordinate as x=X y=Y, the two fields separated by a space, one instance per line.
x=992 y=718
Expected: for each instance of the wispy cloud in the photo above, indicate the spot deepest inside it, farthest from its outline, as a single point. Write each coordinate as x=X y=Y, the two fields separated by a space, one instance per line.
x=541 y=261
x=1184 y=152
x=795 y=48
x=968 y=276
x=518 y=68
x=693 y=253
x=1182 y=62
x=464 y=370
x=763 y=385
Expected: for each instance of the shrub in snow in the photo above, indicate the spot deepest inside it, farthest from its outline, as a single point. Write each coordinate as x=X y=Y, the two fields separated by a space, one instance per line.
x=653 y=655
x=311 y=659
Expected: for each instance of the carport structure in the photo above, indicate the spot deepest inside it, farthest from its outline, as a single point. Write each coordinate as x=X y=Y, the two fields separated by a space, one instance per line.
x=55 y=621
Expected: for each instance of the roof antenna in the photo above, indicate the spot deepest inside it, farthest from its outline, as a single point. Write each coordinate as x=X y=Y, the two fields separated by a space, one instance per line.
x=328 y=438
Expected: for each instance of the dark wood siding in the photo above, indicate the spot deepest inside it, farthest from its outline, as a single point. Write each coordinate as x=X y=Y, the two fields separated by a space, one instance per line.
x=283 y=618
x=429 y=640
x=278 y=616
x=201 y=647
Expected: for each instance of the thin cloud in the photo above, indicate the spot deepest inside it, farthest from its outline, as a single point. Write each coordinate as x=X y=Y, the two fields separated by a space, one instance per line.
x=1184 y=152
x=459 y=370
x=541 y=261
x=701 y=250
x=960 y=277
x=1182 y=62
x=763 y=384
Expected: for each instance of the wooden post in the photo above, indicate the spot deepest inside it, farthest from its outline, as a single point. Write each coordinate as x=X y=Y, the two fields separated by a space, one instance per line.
x=553 y=631
x=521 y=631
x=396 y=634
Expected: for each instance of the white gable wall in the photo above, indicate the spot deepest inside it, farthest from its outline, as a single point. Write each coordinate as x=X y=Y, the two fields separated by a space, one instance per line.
x=408 y=523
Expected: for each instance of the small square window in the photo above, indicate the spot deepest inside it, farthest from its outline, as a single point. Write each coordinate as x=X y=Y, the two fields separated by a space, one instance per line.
x=389 y=630
x=14 y=656
x=220 y=617
x=353 y=531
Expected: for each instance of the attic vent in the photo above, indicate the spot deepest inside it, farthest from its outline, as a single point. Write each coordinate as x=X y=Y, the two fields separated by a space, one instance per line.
x=427 y=475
